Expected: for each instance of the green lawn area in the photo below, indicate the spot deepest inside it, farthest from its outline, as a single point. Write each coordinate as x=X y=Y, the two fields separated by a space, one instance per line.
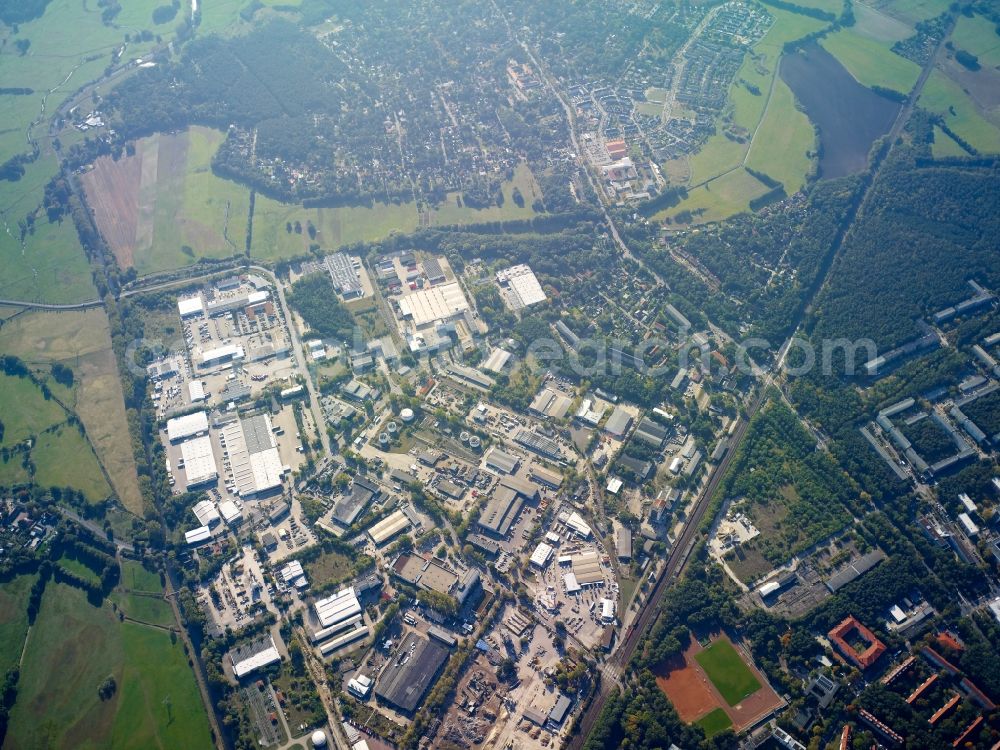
x=81 y=569
x=13 y=618
x=719 y=198
x=136 y=577
x=978 y=35
x=720 y=152
x=785 y=141
x=714 y=722
x=345 y=225
x=24 y=411
x=72 y=649
x=725 y=668
x=64 y=458
x=946 y=98
x=871 y=62
x=148 y=609
x=944 y=145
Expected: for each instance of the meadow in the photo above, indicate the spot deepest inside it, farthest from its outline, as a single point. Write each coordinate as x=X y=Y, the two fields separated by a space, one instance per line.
x=872 y=62
x=72 y=649
x=978 y=35
x=13 y=618
x=82 y=341
x=946 y=98
x=786 y=141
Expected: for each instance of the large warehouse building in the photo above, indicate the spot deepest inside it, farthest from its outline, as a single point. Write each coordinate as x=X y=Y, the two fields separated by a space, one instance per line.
x=199 y=461
x=337 y=609
x=180 y=428
x=414 y=667
x=253 y=455
x=438 y=303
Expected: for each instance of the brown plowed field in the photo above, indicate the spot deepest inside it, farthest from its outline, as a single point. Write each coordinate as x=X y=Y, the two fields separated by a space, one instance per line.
x=112 y=189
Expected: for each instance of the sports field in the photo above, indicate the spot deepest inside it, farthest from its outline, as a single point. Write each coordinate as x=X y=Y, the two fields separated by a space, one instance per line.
x=725 y=668
x=715 y=721
x=715 y=688
x=82 y=341
x=73 y=647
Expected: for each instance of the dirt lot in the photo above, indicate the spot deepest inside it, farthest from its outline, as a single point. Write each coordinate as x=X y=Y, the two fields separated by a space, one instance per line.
x=693 y=695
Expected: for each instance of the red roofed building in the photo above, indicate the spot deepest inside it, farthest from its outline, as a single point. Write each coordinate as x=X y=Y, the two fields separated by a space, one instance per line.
x=616 y=149
x=852 y=628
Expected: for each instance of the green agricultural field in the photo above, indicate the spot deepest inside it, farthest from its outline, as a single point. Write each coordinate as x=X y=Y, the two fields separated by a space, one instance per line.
x=151 y=610
x=871 y=62
x=719 y=198
x=24 y=411
x=81 y=340
x=785 y=141
x=136 y=577
x=13 y=619
x=879 y=25
x=978 y=35
x=725 y=668
x=64 y=458
x=913 y=11
x=943 y=96
x=191 y=207
x=49 y=265
x=72 y=649
x=220 y=16
x=944 y=145
x=720 y=152
x=714 y=722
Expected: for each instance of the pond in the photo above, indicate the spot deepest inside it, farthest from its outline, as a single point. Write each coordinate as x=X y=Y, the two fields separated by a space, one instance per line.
x=849 y=116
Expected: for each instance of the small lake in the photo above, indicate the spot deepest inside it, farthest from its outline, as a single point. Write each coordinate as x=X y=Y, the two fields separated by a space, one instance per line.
x=850 y=116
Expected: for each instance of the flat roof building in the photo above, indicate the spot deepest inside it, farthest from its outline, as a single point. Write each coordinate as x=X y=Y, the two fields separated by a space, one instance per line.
x=619 y=422
x=197 y=536
x=230 y=512
x=623 y=543
x=253 y=656
x=412 y=670
x=388 y=527
x=542 y=554
x=349 y=506
x=337 y=608
x=190 y=306
x=523 y=284
x=199 y=461
x=221 y=355
x=438 y=303
x=548 y=478
x=501 y=510
x=543 y=446
x=497 y=361
x=253 y=455
x=180 y=428
x=501 y=461
x=206 y=513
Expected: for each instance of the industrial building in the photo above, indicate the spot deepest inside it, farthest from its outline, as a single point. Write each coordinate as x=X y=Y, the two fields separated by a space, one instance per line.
x=349 y=506
x=587 y=568
x=180 y=428
x=293 y=575
x=551 y=403
x=542 y=554
x=523 y=285
x=252 y=451
x=221 y=355
x=230 y=512
x=497 y=361
x=433 y=271
x=337 y=609
x=206 y=513
x=501 y=462
x=619 y=422
x=437 y=304
x=623 y=543
x=189 y=307
x=576 y=524
x=344 y=272
x=853 y=570
x=501 y=511
x=543 y=446
x=650 y=432
x=360 y=686
x=546 y=477
x=253 y=656
x=426 y=573
x=199 y=461
x=388 y=527
x=197 y=536
x=412 y=670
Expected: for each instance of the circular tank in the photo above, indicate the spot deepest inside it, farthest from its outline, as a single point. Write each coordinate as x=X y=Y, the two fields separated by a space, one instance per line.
x=406 y=415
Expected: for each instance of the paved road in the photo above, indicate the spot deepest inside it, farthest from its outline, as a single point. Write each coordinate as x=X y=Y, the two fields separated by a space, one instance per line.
x=51 y=306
